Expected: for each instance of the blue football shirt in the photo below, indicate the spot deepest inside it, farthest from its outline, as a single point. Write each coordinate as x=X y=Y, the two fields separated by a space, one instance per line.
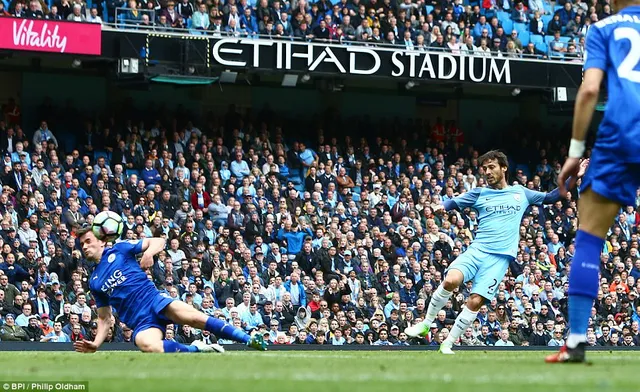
x=500 y=212
x=613 y=45
x=119 y=281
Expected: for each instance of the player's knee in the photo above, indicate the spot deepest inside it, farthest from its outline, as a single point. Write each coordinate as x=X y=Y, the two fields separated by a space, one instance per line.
x=452 y=281
x=475 y=302
x=151 y=346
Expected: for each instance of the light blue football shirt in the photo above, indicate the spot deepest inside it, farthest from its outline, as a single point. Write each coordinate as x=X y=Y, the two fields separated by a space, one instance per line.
x=500 y=212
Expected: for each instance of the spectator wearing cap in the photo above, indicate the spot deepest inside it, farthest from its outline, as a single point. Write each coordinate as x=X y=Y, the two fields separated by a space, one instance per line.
x=10 y=332
x=33 y=330
x=57 y=303
x=294 y=235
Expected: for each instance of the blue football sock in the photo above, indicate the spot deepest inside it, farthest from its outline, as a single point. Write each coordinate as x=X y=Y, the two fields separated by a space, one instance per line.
x=226 y=331
x=175 y=347
x=583 y=284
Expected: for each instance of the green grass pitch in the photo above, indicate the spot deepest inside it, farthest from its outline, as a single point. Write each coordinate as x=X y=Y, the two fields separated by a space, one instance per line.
x=326 y=371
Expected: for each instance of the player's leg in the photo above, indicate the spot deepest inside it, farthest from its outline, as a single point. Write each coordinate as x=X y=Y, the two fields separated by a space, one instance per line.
x=596 y=214
x=151 y=340
x=460 y=271
x=453 y=279
x=485 y=282
x=464 y=319
x=181 y=313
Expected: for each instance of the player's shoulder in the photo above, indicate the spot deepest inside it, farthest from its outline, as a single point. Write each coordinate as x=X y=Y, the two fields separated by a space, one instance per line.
x=474 y=192
x=126 y=244
x=625 y=16
x=516 y=188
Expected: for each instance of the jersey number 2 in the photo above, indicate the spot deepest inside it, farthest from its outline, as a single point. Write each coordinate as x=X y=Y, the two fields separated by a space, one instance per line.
x=626 y=68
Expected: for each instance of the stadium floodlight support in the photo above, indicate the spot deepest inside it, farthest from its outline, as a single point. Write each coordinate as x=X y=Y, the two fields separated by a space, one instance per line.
x=129 y=66
x=289 y=80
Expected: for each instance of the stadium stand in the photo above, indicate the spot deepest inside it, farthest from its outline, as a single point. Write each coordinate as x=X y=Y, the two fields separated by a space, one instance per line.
x=333 y=237
x=351 y=22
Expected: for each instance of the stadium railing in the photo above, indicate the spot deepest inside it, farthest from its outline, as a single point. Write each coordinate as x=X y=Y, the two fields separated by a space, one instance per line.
x=133 y=25
x=212 y=34
x=33 y=346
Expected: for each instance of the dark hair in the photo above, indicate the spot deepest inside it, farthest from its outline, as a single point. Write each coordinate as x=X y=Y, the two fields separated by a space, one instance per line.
x=496 y=155
x=83 y=230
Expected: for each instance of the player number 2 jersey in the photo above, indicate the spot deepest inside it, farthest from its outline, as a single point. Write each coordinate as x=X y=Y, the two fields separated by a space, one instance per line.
x=613 y=45
x=500 y=212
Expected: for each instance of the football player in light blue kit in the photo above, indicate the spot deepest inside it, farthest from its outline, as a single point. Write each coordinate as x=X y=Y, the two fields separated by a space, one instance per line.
x=118 y=281
x=500 y=209
x=612 y=54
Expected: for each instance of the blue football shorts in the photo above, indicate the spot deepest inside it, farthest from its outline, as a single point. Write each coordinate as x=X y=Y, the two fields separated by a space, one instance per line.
x=485 y=270
x=608 y=176
x=152 y=316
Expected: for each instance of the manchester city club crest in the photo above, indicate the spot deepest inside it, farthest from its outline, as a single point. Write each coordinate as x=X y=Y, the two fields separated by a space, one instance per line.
x=517 y=196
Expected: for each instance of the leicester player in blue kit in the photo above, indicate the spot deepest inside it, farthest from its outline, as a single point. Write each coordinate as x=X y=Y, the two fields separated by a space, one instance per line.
x=500 y=210
x=612 y=53
x=118 y=281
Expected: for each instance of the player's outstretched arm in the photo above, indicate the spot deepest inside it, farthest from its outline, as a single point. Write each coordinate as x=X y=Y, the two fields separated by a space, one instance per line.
x=467 y=199
x=150 y=248
x=104 y=324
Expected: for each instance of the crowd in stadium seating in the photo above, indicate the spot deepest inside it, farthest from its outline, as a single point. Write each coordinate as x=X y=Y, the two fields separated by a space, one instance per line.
x=488 y=28
x=310 y=239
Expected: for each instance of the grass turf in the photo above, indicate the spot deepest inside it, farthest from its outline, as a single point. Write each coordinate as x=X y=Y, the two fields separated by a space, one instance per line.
x=325 y=371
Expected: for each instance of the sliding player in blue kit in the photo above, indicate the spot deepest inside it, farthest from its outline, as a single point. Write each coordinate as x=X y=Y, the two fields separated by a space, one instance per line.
x=118 y=281
x=500 y=210
x=612 y=54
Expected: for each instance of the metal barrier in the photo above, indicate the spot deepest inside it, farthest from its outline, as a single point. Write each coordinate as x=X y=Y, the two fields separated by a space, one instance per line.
x=130 y=24
x=32 y=346
x=125 y=18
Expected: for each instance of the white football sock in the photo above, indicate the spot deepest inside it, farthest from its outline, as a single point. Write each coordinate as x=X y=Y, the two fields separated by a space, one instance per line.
x=438 y=301
x=465 y=318
x=574 y=339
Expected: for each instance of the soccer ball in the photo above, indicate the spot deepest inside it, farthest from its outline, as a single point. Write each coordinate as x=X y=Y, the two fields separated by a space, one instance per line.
x=107 y=226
